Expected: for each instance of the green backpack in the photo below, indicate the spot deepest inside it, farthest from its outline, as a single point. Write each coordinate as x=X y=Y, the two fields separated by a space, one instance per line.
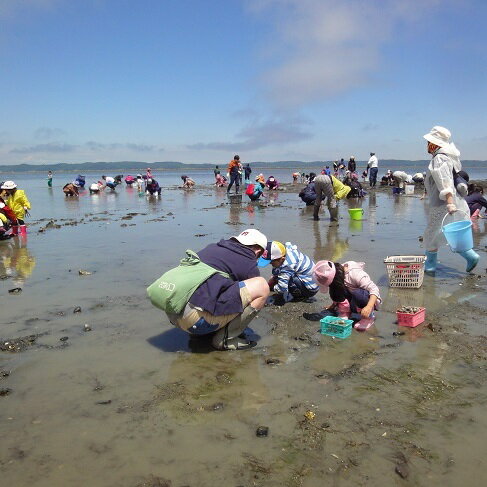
x=172 y=291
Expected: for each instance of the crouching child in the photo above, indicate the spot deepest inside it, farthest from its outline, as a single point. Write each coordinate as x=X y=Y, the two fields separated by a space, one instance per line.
x=351 y=290
x=292 y=271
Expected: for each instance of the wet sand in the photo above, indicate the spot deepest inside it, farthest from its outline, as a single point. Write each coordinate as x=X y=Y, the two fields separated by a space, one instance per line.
x=133 y=402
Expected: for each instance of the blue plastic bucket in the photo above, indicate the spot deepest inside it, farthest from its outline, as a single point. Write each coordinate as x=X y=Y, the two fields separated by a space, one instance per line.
x=459 y=235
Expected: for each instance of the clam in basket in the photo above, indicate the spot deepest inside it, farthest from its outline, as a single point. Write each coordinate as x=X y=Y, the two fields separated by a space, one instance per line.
x=406 y=271
x=410 y=316
x=336 y=327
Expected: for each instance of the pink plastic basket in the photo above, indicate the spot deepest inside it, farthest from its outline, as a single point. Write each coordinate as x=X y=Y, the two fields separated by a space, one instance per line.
x=411 y=319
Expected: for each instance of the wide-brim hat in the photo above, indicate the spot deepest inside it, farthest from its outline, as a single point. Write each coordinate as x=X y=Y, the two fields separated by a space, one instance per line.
x=439 y=136
x=8 y=185
x=252 y=236
x=323 y=274
x=274 y=250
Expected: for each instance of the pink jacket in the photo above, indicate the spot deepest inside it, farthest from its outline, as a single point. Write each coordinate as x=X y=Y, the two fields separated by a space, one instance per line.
x=357 y=278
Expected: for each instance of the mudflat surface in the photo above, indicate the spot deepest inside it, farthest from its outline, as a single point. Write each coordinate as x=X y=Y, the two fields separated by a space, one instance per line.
x=131 y=401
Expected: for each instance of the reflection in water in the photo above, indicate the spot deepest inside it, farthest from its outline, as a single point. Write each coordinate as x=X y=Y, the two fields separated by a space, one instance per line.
x=355 y=225
x=16 y=261
x=372 y=217
x=234 y=213
x=333 y=248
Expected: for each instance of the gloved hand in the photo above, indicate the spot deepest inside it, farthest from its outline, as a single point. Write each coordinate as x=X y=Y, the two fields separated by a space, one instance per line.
x=451 y=208
x=26 y=212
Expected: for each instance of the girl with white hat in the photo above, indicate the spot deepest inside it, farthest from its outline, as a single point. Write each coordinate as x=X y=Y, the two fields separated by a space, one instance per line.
x=443 y=195
x=17 y=201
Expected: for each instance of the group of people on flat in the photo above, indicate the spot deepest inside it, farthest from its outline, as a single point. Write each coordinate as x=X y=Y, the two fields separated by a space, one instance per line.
x=229 y=291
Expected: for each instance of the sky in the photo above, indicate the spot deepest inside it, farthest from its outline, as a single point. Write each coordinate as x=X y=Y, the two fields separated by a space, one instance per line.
x=198 y=81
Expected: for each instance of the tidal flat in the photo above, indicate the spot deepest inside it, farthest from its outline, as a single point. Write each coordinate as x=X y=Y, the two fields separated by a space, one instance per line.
x=130 y=401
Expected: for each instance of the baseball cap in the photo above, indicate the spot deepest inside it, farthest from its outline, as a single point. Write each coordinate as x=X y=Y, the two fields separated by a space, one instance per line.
x=273 y=250
x=252 y=237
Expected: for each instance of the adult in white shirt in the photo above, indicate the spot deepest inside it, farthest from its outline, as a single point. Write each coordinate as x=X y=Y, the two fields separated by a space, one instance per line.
x=373 y=169
x=400 y=177
x=110 y=182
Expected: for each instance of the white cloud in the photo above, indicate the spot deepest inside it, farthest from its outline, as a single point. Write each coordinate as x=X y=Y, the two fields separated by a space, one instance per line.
x=47 y=133
x=321 y=48
x=258 y=134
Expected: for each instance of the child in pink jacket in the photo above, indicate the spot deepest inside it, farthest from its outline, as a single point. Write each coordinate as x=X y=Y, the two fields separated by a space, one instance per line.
x=351 y=289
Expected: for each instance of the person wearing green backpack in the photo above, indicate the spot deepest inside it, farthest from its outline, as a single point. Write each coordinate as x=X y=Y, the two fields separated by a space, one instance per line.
x=225 y=294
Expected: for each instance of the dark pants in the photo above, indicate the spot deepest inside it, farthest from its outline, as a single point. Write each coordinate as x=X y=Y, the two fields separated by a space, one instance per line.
x=298 y=290
x=234 y=178
x=373 y=176
x=358 y=298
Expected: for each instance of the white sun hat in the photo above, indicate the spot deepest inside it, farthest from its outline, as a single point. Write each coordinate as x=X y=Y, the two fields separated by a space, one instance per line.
x=8 y=185
x=439 y=136
x=252 y=237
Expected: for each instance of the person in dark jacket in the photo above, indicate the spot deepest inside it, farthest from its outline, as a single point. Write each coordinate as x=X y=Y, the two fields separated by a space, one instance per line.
x=308 y=194
x=475 y=200
x=152 y=187
x=352 y=165
x=225 y=306
x=247 y=173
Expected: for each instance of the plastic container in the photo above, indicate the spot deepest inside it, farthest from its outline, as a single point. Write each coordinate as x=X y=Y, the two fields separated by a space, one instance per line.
x=411 y=319
x=356 y=213
x=406 y=271
x=336 y=327
x=458 y=234
x=409 y=189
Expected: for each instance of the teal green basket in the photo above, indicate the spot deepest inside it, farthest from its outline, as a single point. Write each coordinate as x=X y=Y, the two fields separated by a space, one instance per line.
x=336 y=327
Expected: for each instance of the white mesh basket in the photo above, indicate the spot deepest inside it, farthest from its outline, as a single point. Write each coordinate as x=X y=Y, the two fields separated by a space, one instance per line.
x=405 y=271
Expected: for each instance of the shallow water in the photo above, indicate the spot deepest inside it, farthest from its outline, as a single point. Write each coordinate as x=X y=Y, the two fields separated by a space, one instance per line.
x=174 y=410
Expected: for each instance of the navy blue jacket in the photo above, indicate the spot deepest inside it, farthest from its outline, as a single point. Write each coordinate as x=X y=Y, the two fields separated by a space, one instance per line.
x=308 y=194
x=219 y=295
x=476 y=199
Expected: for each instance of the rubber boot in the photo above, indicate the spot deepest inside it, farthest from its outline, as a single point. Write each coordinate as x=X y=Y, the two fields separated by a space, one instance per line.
x=471 y=257
x=343 y=309
x=228 y=338
x=431 y=261
x=23 y=230
x=365 y=323
x=15 y=229
x=334 y=214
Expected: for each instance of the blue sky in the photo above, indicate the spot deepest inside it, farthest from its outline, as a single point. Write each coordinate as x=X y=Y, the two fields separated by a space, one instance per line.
x=197 y=81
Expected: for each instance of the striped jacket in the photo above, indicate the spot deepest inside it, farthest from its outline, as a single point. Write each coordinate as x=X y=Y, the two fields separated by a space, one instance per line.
x=296 y=264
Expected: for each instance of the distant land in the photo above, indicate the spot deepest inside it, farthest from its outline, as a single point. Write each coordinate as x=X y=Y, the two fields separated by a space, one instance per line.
x=137 y=166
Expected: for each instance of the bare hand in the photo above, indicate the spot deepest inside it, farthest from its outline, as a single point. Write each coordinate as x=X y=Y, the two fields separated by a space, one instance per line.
x=366 y=312
x=451 y=208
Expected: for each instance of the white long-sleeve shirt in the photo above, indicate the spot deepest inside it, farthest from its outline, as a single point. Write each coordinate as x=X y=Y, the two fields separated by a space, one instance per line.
x=373 y=162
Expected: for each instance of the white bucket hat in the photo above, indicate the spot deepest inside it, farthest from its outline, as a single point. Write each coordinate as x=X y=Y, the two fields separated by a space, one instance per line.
x=8 y=185
x=439 y=136
x=252 y=237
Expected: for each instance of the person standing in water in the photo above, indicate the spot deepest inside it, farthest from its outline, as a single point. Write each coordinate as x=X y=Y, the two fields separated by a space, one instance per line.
x=373 y=169
x=233 y=168
x=443 y=195
x=49 y=179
